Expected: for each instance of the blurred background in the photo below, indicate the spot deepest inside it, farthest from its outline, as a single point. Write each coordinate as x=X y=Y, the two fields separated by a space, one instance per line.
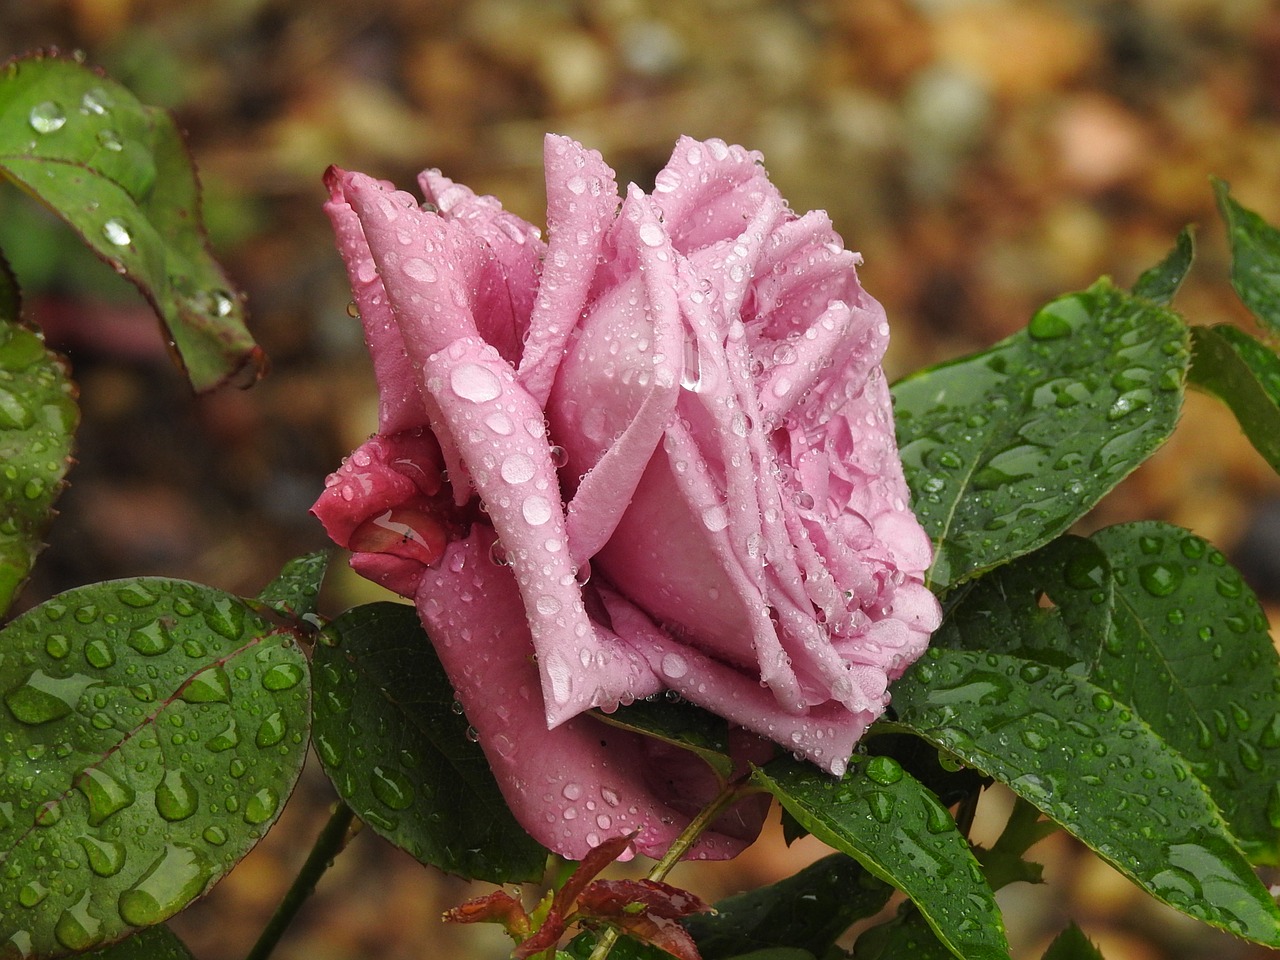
x=984 y=155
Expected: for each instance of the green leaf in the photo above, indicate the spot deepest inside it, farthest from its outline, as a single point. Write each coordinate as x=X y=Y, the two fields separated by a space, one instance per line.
x=38 y=419
x=153 y=729
x=1157 y=618
x=1245 y=375
x=418 y=781
x=905 y=935
x=153 y=943
x=1160 y=283
x=680 y=724
x=626 y=948
x=119 y=174
x=883 y=818
x=807 y=911
x=1072 y=944
x=1004 y=864
x=1255 y=257
x=295 y=591
x=1079 y=755
x=1005 y=449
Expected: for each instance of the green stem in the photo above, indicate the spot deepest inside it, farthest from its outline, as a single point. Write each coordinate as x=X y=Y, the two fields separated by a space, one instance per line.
x=679 y=847
x=327 y=846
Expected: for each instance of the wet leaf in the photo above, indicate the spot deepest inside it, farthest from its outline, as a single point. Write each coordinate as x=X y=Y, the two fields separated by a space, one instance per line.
x=626 y=948
x=119 y=174
x=153 y=943
x=1005 y=449
x=1160 y=283
x=389 y=737
x=1072 y=944
x=153 y=730
x=808 y=910
x=882 y=817
x=678 y=723
x=295 y=591
x=1158 y=619
x=1087 y=762
x=38 y=419
x=1245 y=375
x=904 y=935
x=1255 y=257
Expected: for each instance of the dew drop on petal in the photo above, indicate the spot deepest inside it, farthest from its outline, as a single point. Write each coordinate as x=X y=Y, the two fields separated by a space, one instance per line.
x=470 y=381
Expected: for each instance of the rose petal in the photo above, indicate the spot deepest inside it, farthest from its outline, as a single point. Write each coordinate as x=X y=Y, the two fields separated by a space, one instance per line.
x=582 y=782
x=581 y=197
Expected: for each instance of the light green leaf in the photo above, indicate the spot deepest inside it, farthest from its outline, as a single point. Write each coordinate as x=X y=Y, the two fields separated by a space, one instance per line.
x=1072 y=944
x=420 y=782
x=1005 y=449
x=1245 y=375
x=38 y=418
x=153 y=943
x=295 y=591
x=153 y=730
x=1079 y=755
x=1255 y=257
x=896 y=828
x=119 y=174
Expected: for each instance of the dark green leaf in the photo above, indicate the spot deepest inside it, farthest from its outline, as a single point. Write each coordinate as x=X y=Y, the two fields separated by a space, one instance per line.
x=808 y=910
x=680 y=724
x=153 y=729
x=1157 y=618
x=1245 y=375
x=906 y=935
x=38 y=418
x=882 y=817
x=1160 y=283
x=1073 y=750
x=295 y=591
x=1005 y=449
x=626 y=948
x=396 y=748
x=1255 y=257
x=1072 y=944
x=153 y=943
x=1003 y=863
x=118 y=172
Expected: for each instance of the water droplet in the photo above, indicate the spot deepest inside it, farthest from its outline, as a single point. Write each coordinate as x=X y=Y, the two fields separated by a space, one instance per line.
x=881 y=805
x=1049 y=324
x=136 y=596
x=151 y=639
x=176 y=877
x=176 y=796
x=57 y=645
x=43 y=698
x=651 y=235
x=559 y=457
x=1160 y=579
x=884 y=770
x=47 y=117
x=106 y=857
x=108 y=139
x=271 y=731
x=106 y=794
x=14 y=414
x=225 y=617
x=416 y=268
x=1102 y=702
x=517 y=468
x=211 y=685
x=283 y=676
x=1034 y=740
x=674 y=666
x=330 y=753
x=32 y=894
x=392 y=788
x=214 y=836
x=262 y=806
x=470 y=381
x=77 y=928
x=116 y=232
x=98 y=653
x=225 y=739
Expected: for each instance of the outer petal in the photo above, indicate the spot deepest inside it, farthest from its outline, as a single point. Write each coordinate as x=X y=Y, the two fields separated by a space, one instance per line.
x=581 y=199
x=582 y=782
x=499 y=430
x=400 y=401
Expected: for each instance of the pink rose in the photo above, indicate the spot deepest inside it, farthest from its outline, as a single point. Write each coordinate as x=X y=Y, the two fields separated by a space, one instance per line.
x=655 y=452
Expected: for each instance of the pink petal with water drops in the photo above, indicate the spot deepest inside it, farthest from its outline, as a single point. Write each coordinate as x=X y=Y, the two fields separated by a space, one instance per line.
x=499 y=430
x=509 y=280
x=826 y=734
x=581 y=200
x=576 y=785
x=400 y=400
x=616 y=391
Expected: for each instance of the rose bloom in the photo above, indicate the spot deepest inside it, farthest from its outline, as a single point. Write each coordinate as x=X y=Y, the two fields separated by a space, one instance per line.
x=652 y=453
